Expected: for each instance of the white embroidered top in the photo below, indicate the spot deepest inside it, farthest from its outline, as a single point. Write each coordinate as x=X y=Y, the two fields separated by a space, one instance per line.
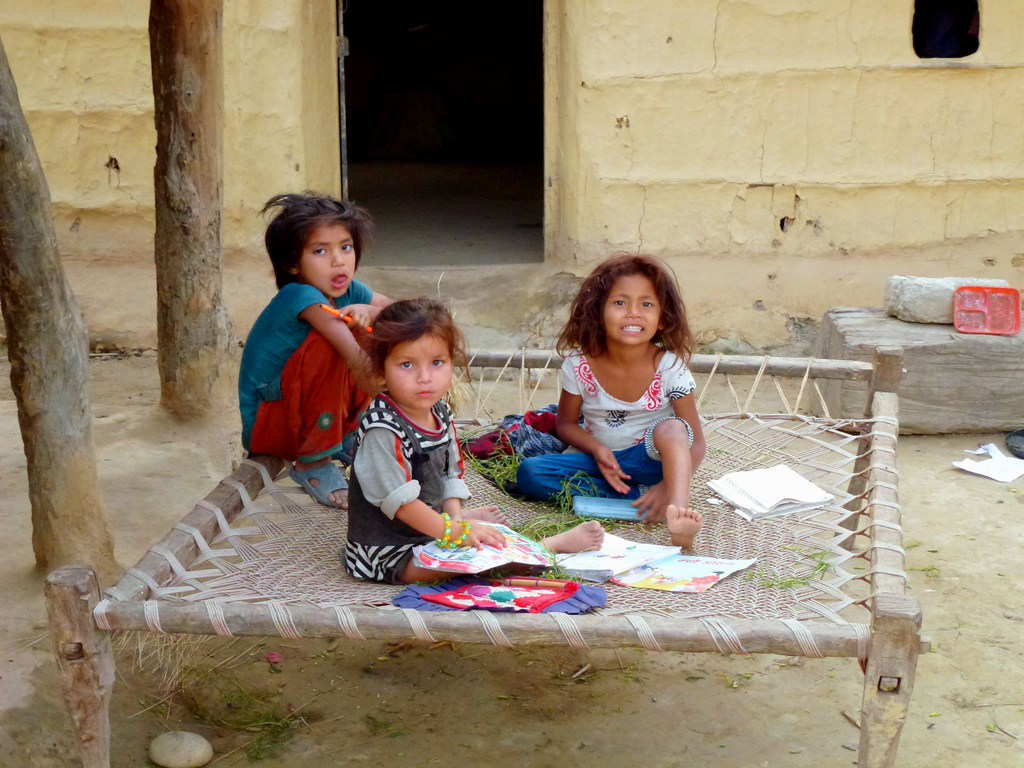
x=616 y=423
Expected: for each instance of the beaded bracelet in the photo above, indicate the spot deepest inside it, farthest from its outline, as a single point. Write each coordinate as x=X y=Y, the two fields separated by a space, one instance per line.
x=447 y=542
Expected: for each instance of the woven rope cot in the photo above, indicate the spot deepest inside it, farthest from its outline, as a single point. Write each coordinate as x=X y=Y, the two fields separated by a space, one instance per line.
x=258 y=557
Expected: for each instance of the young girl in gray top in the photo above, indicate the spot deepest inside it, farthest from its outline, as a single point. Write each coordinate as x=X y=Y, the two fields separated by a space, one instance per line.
x=407 y=477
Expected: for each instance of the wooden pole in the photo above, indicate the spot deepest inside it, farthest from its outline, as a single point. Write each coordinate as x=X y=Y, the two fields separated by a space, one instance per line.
x=197 y=349
x=889 y=678
x=48 y=348
x=887 y=375
x=84 y=658
x=671 y=634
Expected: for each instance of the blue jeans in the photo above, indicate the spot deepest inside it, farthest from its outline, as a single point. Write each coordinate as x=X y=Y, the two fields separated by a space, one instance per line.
x=541 y=477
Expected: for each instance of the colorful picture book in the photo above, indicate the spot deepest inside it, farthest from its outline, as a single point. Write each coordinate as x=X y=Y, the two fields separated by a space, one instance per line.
x=616 y=555
x=681 y=573
x=760 y=493
x=518 y=550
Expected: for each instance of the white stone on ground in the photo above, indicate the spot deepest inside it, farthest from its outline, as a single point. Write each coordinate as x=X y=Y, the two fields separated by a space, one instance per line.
x=180 y=749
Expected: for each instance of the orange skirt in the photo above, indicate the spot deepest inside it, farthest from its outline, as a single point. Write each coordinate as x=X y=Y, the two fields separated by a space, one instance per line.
x=320 y=404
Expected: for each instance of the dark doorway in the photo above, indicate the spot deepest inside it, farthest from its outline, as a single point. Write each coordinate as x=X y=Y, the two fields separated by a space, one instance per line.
x=445 y=129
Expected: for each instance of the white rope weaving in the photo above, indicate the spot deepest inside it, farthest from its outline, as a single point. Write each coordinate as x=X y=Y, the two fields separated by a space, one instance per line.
x=804 y=638
x=890 y=420
x=145 y=578
x=99 y=614
x=176 y=566
x=151 y=609
x=887 y=571
x=222 y=522
x=196 y=534
x=217 y=620
x=572 y=633
x=268 y=481
x=116 y=593
x=418 y=625
x=719 y=630
x=886 y=545
x=348 y=624
x=282 y=619
x=493 y=629
x=644 y=632
x=863 y=640
x=883 y=524
x=242 y=493
x=821 y=401
x=711 y=377
x=753 y=387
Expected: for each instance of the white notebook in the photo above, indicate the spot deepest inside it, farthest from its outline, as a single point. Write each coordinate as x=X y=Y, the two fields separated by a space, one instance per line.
x=768 y=492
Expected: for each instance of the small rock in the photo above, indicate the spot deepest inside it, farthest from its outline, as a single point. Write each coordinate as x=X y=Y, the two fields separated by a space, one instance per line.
x=180 y=749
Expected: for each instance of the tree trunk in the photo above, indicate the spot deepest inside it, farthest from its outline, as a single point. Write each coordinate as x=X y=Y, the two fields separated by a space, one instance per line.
x=197 y=348
x=48 y=349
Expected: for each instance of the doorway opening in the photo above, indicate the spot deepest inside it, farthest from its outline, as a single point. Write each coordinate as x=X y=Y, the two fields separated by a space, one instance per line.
x=444 y=106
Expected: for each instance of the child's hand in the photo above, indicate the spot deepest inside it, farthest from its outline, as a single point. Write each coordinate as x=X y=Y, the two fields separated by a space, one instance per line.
x=480 y=534
x=610 y=469
x=651 y=505
x=362 y=315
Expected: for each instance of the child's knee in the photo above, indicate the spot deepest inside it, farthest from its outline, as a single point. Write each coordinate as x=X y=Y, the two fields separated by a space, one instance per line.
x=672 y=431
x=668 y=437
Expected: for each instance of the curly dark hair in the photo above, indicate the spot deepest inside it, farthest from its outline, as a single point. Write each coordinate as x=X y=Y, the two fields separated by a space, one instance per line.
x=585 y=329
x=408 y=320
x=297 y=216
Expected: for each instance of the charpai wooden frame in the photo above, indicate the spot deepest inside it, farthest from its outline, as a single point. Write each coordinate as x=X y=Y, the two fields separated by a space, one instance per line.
x=888 y=650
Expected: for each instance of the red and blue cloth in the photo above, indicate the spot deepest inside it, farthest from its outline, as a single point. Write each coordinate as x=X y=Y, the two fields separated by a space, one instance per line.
x=516 y=594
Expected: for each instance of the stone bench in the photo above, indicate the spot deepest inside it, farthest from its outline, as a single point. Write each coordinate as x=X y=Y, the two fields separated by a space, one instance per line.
x=952 y=382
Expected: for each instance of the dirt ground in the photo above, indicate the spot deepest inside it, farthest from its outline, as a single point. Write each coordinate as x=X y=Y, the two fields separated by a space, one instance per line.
x=373 y=704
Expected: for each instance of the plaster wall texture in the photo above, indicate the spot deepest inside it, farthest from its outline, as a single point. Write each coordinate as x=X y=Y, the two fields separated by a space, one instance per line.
x=779 y=154
x=83 y=74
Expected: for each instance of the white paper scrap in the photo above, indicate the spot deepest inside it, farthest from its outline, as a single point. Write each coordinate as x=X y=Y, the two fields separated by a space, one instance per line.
x=998 y=466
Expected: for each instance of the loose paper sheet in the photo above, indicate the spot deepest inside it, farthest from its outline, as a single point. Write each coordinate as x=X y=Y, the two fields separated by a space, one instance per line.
x=998 y=466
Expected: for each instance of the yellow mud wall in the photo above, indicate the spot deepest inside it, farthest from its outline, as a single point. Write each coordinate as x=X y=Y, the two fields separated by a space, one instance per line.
x=785 y=156
x=82 y=69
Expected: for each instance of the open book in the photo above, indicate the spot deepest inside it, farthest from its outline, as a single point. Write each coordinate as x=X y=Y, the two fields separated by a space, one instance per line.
x=681 y=573
x=760 y=493
x=616 y=555
x=518 y=550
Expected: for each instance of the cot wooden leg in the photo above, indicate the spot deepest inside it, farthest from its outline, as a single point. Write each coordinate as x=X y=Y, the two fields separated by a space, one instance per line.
x=84 y=657
x=889 y=679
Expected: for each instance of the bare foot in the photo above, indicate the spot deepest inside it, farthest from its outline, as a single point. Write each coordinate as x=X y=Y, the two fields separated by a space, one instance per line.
x=584 y=536
x=485 y=514
x=683 y=524
x=339 y=496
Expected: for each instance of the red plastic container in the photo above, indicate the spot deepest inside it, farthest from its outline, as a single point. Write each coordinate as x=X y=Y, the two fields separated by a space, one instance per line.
x=986 y=309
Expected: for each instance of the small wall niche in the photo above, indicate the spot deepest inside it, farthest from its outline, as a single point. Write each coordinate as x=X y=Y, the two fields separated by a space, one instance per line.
x=946 y=29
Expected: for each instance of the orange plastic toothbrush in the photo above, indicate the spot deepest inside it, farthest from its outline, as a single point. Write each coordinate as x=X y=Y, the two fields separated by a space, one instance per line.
x=337 y=313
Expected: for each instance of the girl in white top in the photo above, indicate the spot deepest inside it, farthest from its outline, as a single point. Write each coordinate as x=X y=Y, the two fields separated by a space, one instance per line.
x=625 y=348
